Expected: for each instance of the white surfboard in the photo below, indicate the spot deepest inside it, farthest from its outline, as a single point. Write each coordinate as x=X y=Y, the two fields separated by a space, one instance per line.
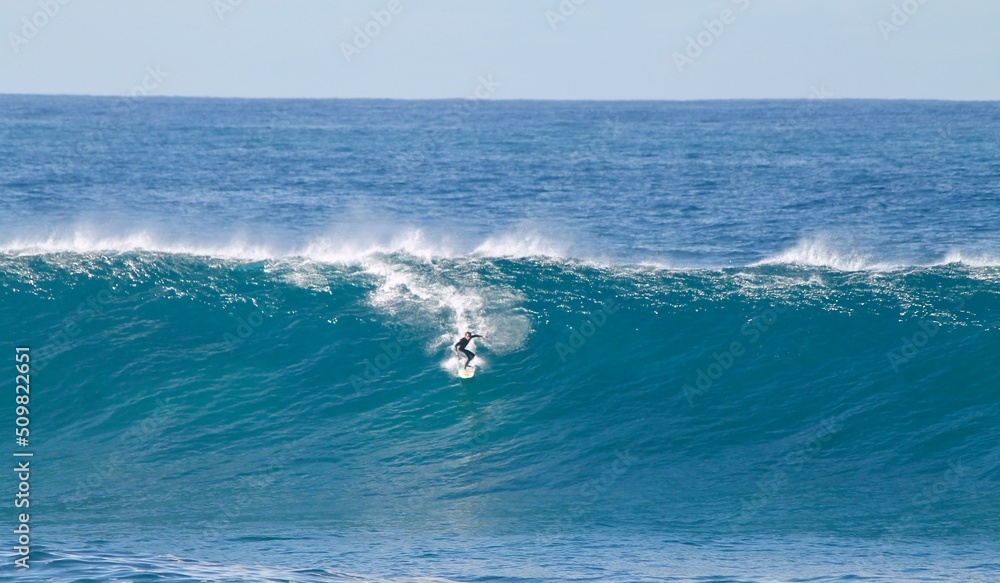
x=466 y=373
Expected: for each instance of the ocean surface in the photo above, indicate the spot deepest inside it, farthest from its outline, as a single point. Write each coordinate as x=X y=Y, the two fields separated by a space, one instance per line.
x=747 y=341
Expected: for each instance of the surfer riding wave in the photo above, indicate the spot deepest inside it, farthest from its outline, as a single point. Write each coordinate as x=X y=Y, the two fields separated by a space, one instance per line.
x=462 y=343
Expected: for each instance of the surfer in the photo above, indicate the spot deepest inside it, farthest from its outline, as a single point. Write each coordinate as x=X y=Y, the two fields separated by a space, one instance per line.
x=462 y=343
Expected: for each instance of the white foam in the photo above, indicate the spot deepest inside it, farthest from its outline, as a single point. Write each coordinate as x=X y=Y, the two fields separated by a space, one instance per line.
x=450 y=363
x=820 y=253
x=521 y=244
x=88 y=241
x=971 y=259
x=346 y=244
x=307 y=275
x=357 y=244
x=337 y=249
x=456 y=303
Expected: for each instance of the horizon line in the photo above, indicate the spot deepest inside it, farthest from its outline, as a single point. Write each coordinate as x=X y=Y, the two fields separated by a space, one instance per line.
x=502 y=99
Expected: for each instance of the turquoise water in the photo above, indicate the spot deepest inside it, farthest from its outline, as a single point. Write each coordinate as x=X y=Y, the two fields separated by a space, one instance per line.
x=747 y=341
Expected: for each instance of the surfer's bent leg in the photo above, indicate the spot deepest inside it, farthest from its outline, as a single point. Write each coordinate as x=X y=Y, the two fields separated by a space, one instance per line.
x=468 y=355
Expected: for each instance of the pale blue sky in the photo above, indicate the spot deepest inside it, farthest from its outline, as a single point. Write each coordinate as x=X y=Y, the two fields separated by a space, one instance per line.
x=622 y=49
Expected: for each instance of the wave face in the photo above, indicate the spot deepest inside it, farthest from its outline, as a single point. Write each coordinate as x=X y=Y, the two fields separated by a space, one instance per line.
x=725 y=332
x=768 y=398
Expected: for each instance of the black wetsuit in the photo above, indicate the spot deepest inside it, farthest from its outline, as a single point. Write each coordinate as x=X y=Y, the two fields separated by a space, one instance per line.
x=462 y=343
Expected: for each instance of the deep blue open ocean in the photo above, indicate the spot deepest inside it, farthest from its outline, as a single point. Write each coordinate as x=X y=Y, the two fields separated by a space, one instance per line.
x=744 y=341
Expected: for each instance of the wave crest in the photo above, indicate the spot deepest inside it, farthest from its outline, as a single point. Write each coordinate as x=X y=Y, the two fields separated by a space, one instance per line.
x=820 y=253
x=347 y=246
